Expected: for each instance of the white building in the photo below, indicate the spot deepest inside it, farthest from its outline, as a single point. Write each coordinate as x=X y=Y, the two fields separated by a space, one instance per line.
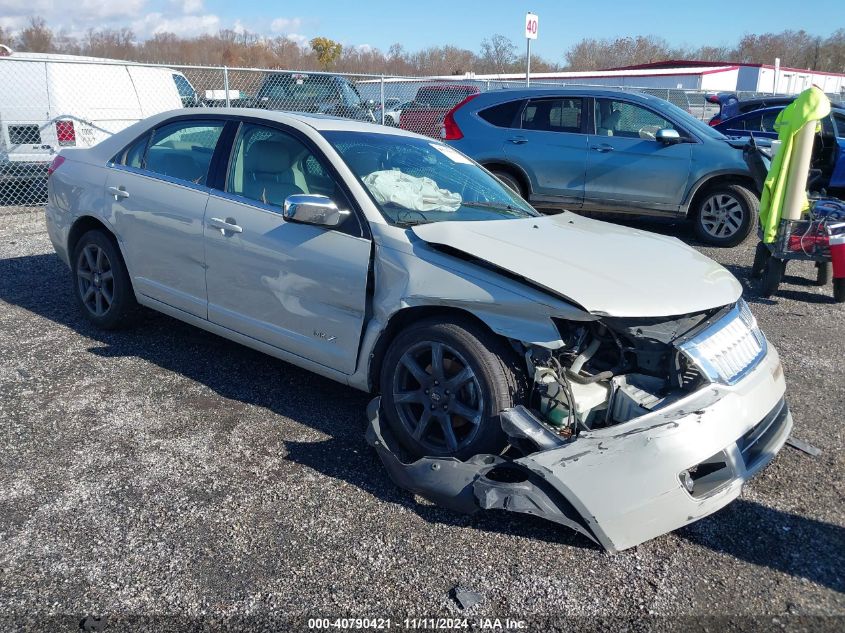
x=693 y=75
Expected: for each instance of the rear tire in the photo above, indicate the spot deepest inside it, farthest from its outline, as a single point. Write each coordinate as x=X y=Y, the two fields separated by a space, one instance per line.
x=443 y=383
x=772 y=276
x=839 y=290
x=510 y=181
x=724 y=215
x=101 y=283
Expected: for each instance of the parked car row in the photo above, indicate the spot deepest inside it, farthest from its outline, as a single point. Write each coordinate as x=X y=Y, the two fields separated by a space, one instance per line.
x=828 y=152
x=609 y=151
x=526 y=363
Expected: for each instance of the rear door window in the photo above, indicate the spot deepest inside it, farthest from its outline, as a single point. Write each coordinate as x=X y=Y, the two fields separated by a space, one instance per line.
x=502 y=115
x=183 y=150
x=553 y=115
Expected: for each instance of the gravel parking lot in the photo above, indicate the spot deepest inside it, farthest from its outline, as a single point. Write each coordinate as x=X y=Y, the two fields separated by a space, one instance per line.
x=164 y=475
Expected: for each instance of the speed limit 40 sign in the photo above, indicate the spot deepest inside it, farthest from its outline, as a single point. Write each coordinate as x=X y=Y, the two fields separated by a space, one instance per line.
x=531 y=22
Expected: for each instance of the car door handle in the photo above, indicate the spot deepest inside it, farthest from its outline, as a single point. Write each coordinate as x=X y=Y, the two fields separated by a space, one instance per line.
x=118 y=192
x=518 y=140
x=227 y=225
x=603 y=148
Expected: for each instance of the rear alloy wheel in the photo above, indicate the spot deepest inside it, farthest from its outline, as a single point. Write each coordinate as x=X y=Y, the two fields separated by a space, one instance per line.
x=510 y=181
x=443 y=384
x=101 y=283
x=725 y=214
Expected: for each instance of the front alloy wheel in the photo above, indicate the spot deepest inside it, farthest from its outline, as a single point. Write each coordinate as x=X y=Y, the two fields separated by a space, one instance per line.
x=443 y=383
x=438 y=397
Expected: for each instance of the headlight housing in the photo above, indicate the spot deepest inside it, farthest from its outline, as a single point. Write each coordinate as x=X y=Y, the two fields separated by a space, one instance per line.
x=729 y=348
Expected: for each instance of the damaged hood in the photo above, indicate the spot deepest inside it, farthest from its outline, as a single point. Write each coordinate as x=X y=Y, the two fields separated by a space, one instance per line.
x=605 y=268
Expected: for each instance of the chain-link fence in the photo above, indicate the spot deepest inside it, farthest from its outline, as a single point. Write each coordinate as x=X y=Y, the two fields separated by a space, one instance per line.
x=49 y=102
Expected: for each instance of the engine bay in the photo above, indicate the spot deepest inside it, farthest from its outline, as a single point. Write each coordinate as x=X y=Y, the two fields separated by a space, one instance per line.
x=611 y=371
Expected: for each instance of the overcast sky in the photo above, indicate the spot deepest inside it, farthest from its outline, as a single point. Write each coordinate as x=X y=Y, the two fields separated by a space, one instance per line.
x=422 y=23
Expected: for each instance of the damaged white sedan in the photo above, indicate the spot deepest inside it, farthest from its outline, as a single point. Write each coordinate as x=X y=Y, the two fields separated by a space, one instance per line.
x=608 y=379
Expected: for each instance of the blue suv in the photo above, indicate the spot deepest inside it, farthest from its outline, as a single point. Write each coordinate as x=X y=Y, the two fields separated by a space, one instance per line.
x=604 y=150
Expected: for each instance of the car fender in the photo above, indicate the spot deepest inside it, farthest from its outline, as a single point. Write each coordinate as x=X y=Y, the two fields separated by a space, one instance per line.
x=708 y=178
x=414 y=274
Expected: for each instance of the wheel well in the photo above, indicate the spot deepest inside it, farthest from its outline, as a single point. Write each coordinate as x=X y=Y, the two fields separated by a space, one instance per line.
x=702 y=189
x=81 y=227
x=403 y=318
x=513 y=171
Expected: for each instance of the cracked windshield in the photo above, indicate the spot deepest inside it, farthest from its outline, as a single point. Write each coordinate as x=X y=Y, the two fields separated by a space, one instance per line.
x=419 y=181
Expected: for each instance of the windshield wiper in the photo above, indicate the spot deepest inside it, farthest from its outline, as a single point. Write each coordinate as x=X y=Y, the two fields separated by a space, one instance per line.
x=504 y=206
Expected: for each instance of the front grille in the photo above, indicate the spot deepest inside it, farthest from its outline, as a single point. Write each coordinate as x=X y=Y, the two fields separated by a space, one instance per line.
x=730 y=348
x=24 y=135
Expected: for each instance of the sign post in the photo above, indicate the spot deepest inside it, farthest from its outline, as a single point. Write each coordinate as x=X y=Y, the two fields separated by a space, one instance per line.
x=776 y=79
x=531 y=23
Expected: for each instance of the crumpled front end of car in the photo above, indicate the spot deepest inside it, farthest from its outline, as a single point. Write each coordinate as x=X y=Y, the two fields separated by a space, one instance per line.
x=634 y=428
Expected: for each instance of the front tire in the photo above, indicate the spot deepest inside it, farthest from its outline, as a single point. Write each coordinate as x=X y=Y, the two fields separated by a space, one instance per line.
x=510 y=181
x=443 y=384
x=101 y=283
x=725 y=214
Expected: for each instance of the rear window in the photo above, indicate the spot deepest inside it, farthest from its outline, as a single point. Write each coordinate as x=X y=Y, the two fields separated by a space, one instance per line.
x=24 y=135
x=443 y=97
x=502 y=115
x=299 y=88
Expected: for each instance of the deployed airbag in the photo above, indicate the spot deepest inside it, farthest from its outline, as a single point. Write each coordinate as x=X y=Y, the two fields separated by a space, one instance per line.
x=416 y=193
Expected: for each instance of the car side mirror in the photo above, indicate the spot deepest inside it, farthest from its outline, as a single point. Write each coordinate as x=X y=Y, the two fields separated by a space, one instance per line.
x=667 y=136
x=313 y=209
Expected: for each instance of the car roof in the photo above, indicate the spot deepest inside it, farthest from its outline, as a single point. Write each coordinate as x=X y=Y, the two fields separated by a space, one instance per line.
x=450 y=87
x=319 y=122
x=508 y=94
x=835 y=106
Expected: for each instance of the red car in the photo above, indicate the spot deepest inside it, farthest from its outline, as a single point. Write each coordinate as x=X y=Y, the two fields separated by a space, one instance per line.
x=424 y=115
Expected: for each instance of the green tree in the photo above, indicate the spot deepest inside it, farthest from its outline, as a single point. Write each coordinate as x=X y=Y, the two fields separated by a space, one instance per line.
x=327 y=51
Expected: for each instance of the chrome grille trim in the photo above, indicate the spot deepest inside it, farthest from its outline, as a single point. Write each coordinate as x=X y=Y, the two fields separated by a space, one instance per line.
x=730 y=348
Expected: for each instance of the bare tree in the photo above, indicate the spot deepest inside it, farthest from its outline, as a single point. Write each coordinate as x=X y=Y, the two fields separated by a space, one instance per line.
x=115 y=43
x=498 y=55
x=36 y=38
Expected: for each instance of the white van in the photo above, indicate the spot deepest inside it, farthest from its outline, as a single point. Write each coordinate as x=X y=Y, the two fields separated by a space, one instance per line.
x=48 y=102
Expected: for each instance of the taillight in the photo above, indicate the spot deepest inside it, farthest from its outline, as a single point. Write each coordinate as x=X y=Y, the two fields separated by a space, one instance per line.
x=65 y=133
x=715 y=121
x=54 y=165
x=449 y=131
